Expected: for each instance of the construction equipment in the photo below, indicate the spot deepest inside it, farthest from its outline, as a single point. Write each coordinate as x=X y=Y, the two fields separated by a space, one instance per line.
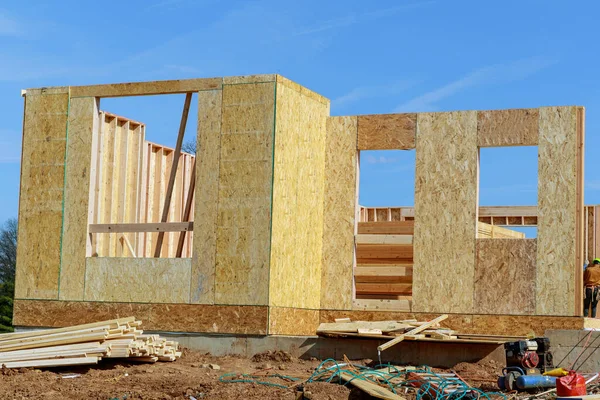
x=526 y=361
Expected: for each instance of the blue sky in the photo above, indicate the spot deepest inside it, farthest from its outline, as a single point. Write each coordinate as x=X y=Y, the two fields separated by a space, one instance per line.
x=367 y=57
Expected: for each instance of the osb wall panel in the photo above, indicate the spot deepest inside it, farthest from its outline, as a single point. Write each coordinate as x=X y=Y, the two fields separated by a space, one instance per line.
x=245 y=188
x=206 y=197
x=41 y=196
x=499 y=128
x=387 y=131
x=445 y=212
x=298 y=185
x=246 y=320
x=339 y=213
x=83 y=121
x=500 y=261
x=293 y=321
x=557 y=211
x=140 y=280
x=513 y=325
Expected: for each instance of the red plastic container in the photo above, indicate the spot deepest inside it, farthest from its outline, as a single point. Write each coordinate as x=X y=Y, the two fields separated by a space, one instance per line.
x=571 y=385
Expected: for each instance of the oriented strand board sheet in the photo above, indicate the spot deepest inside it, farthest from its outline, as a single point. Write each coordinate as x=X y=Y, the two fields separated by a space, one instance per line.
x=41 y=196
x=500 y=128
x=339 y=213
x=500 y=261
x=293 y=321
x=303 y=90
x=138 y=280
x=147 y=88
x=199 y=318
x=445 y=212
x=245 y=189
x=233 y=80
x=557 y=211
x=83 y=122
x=206 y=197
x=387 y=131
x=298 y=189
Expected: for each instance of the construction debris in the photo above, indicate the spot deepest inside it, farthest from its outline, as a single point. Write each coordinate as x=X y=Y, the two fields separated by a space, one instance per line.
x=85 y=345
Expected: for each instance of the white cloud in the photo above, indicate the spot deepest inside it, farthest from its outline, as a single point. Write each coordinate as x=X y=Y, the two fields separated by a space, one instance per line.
x=381 y=159
x=9 y=26
x=491 y=75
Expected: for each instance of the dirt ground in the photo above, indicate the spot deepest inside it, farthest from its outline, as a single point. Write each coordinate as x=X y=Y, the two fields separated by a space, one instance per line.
x=190 y=378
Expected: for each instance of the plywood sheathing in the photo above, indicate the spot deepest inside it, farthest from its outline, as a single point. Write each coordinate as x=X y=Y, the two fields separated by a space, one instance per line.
x=245 y=190
x=501 y=128
x=137 y=280
x=387 y=131
x=513 y=325
x=293 y=321
x=199 y=318
x=580 y=211
x=339 y=213
x=83 y=121
x=41 y=196
x=590 y=219
x=445 y=207
x=207 y=197
x=233 y=80
x=505 y=269
x=147 y=88
x=557 y=212
x=303 y=90
x=298 y=187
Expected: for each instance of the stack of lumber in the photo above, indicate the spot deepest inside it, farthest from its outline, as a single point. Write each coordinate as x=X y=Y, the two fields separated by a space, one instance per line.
x=85 y=345
x=432 y=332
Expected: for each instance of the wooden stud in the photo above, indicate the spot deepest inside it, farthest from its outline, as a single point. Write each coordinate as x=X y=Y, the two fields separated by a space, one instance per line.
x=188 y=209
x=169 y=193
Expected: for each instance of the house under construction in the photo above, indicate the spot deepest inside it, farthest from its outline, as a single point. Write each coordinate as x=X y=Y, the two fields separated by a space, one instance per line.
x=261 y=232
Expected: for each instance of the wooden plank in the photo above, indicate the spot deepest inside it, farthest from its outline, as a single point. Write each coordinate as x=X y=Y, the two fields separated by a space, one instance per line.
x=421 y=328
x=384 y=288
x=556 y=289
x=446 y=206
x=83 y=121
x=383 y=271
x=501 y=128
x=188 y=209
x=387 y=131
x=147 y=88
x=387 y=228
x=387 y=251
x=339 y=219
x=384 y=326
x=173 y=174
x=370 y=388
x=382 y=278
x=384 y=239
x=52 y=363
x=41 y=196
x=387 y=305
x=580 y=212
x=143 y=227
x=208 y=139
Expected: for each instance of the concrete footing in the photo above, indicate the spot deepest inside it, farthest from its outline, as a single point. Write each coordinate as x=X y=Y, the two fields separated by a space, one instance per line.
x=435 y=354
x=576 y=349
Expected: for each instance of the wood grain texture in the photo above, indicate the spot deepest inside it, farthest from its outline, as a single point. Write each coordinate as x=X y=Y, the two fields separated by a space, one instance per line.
x=445 y=212
x=201 y=318
x=293 y=321
x=83 y=121
x=501 y=128
x=387 y=131
x=505 y=269
x=206 y=197
x=245 y=190
x=387 y=228
x=339 y=213
x=298 y=190
x=557 y=211
x=41 y=196
x=235 y=80
x=301 y=89
x=139 y=280
x=147 y=88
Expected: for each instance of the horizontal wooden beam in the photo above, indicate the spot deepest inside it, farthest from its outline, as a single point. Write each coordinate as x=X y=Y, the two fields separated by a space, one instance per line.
x=147 y=88
x=384 y=239
x=149 y=227
x=387 y=251
x=387 y=228
x=388 y=305
x=384 y=288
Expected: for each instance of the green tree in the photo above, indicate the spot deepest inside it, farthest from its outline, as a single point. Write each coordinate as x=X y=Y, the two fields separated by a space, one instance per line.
x=8 y=262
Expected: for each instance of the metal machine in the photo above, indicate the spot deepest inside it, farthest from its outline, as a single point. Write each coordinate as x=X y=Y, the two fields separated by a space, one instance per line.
x=526 y=361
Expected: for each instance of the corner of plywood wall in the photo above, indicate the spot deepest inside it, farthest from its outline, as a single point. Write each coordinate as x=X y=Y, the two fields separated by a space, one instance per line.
x=298 y=189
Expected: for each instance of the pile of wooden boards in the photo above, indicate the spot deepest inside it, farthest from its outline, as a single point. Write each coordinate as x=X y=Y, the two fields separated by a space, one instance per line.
x=407 y=330
x=85 y=345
